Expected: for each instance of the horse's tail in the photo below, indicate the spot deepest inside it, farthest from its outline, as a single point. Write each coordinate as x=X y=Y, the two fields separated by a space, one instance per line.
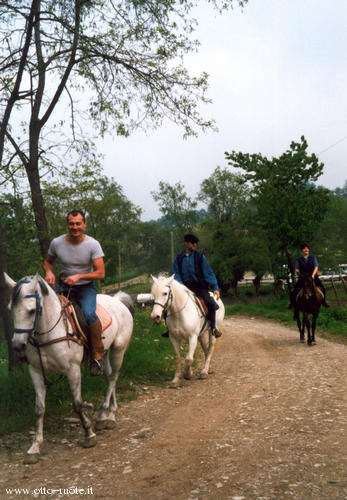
x=126 y=300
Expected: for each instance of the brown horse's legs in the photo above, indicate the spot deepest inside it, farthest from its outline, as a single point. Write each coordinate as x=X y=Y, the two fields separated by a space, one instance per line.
x=308 y=326
x=313 y=329
x=301 y=327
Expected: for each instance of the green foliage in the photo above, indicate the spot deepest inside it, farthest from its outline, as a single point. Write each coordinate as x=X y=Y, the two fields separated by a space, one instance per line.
x=289 y=208
x=225 y=195
x=176 y=206
x=330 y=240
x=19 y=232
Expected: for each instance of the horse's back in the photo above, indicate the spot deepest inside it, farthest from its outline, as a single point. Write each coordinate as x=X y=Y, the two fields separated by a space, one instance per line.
x=120 y=310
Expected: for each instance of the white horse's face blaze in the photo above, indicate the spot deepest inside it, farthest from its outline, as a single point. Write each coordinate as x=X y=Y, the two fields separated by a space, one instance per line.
x=161 y=293
x=24 y=311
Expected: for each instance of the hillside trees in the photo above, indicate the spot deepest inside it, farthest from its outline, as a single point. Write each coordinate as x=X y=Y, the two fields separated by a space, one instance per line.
x=109 y=66
x=118 y=64
x=289 y=207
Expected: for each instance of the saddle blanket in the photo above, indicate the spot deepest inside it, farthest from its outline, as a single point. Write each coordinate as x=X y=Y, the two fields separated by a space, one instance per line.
x=103 y=315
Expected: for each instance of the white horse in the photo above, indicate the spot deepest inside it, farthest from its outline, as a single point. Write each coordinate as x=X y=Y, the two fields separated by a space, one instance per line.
x=39 y=320
x=185 y=321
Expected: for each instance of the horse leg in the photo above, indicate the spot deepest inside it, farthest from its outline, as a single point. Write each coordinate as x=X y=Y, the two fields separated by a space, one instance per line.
x=74 y=378
x=192 y=343
x=313 y=329
x=208 y=357
x=308 y=326
x=33 y=453
x=177 y=358
x=301 y=328
x=107 y=414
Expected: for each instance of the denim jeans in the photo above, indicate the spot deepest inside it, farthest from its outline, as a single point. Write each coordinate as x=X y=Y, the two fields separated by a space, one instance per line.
x=85 y=296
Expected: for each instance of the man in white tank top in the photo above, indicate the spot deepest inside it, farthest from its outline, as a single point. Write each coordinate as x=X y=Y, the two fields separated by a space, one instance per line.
x=81 y=264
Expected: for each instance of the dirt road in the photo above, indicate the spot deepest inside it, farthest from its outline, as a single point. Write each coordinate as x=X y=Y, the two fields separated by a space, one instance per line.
x=269 y=423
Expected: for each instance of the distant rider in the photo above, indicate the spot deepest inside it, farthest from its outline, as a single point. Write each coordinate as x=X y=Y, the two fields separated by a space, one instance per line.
x=306 y=264
x=192 y=269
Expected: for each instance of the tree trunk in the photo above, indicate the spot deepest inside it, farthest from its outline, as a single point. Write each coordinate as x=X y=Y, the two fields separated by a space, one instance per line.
x=4 y=310
x=256 y=283
x=33 y=174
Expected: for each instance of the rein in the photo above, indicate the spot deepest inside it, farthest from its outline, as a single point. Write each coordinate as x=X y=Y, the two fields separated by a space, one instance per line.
x=189 y=294
x=33 y=331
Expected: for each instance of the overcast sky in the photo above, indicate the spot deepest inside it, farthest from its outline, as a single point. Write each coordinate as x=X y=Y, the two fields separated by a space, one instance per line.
x=277 y=71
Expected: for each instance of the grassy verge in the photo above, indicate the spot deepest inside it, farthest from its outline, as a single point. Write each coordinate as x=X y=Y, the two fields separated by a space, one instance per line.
x=332 y=320
x=148 y=360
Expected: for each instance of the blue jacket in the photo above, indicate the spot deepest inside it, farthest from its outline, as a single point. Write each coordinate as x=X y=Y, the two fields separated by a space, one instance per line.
x=194 y=268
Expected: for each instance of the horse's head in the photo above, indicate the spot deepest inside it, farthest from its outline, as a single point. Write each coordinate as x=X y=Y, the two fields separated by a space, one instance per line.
x=26 y=306
x=162 y=293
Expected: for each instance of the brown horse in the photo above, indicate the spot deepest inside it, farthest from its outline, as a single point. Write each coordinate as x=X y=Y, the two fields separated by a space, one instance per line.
x=308 y=301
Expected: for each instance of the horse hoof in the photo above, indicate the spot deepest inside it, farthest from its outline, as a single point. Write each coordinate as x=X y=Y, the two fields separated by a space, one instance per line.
x=89 y=442
x=203 y=375
x=110 y=424
x=173 y=385
x=302 y=341
x=100 y=425
x=31 y=458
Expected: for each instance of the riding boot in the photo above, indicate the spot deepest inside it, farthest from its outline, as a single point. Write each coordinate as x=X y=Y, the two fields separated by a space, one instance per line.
x=97 y=348
x=215 y=332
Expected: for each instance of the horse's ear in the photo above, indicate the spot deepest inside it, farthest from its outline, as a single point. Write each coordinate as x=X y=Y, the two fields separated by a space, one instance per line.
x=171 y=279
x=9 y=281
x=155 y=280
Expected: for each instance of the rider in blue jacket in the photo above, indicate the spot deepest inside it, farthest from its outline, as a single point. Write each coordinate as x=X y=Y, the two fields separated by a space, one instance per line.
x=192 y=270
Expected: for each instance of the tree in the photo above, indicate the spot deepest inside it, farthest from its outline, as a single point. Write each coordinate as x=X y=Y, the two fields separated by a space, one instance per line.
x=116 y=61
x=224 y=193
x=110 y=215
x=330 y=240
x=289 y=207
x=178 y=208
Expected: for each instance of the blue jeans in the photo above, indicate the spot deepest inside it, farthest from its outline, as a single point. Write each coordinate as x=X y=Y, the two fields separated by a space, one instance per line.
x=85 y=296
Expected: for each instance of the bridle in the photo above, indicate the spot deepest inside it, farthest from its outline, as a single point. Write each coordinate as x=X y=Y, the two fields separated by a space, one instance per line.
x=166 y=305
x=33 y=333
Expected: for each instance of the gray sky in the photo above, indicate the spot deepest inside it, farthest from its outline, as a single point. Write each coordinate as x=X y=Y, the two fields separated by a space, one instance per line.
x=277 y=71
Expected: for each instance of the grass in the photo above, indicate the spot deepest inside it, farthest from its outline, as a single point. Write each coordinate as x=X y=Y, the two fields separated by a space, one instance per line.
x=148 y=361
x=332 y=320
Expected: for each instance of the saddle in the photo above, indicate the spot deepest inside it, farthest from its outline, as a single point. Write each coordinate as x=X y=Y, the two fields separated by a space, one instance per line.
x=301 y=291
x=77 y=319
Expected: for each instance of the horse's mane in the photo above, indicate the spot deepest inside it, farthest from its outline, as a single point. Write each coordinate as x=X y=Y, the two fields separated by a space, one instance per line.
x=16 y=291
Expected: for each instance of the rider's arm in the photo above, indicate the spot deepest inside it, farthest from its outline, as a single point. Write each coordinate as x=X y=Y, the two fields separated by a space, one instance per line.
x=175 y=271
x=297 y=270
x=98 y=273
x=48 y=267
x=315 y=270
x=210 y=277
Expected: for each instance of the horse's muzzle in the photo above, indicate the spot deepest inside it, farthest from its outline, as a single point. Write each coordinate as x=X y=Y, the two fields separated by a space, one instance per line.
x=156 y=318
x=18 y=346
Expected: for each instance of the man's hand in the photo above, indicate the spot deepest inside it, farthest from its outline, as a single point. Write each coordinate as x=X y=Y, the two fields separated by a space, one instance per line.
x=216 y=293
x=72 y=280
x=50 y=278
